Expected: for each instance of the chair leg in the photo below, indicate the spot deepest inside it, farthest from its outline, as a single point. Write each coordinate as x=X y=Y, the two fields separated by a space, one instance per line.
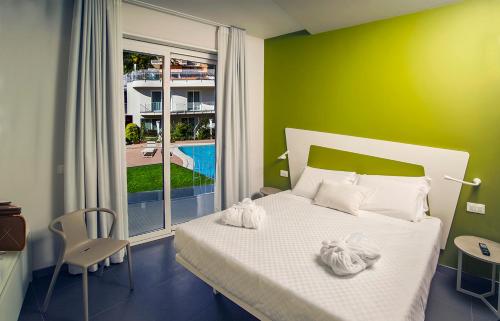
x=101 y=268
x=85 y=284
x=129 y=260
x=51 y=286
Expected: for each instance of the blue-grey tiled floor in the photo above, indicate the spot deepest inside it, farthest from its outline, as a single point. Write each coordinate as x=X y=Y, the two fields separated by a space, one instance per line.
x=166 y=291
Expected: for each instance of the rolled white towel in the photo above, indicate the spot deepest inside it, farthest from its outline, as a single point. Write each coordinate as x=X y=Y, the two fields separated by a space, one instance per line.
x=253 y=216
x=368 y=251
x=232 y=216
x=246 y=214
x=349 y=255
x=340 y=259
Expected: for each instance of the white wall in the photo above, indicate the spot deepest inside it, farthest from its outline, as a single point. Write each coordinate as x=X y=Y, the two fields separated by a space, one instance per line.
x=154 y=24
x=34 y=40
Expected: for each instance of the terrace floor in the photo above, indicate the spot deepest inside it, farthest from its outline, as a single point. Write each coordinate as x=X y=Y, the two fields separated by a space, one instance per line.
x=147 y=215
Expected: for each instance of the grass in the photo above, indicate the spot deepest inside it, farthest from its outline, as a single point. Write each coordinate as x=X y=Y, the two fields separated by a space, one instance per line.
x=150 y=178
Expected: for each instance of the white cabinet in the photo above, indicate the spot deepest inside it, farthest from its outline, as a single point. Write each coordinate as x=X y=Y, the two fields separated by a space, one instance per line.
x=15 y=277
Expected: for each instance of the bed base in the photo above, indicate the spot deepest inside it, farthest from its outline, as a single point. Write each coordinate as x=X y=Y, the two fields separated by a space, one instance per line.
x=217 y=289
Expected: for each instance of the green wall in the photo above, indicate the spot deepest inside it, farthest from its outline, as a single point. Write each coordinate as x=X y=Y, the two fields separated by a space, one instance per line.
x=431 y=78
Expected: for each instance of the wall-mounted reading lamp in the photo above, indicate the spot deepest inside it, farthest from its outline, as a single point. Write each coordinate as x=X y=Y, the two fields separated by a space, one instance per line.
x=475 y=182
x=283 y=156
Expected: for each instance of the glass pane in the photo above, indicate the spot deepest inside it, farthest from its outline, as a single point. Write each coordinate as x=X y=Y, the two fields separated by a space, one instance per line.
x=192 y=151
x=142 y=87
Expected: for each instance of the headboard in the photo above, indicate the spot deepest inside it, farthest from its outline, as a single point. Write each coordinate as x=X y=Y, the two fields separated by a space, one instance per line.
x=436 y=163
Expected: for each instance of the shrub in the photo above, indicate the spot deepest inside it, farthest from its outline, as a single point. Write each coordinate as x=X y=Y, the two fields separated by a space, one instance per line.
x=132 y=133
x=181 y=131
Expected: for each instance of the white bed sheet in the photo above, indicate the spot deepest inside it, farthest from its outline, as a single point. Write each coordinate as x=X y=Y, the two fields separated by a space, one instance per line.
x=277 y=270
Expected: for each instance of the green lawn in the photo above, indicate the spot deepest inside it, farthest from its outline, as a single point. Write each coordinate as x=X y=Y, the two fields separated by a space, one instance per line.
x=150 y=178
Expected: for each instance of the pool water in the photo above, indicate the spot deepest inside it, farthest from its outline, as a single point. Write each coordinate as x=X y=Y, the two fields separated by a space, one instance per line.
x=203 y=157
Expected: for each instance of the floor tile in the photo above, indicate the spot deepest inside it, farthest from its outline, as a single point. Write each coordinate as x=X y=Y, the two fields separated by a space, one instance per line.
x=164 y=290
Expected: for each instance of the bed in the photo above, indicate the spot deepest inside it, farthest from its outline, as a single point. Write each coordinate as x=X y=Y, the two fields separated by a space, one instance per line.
x=276 y=271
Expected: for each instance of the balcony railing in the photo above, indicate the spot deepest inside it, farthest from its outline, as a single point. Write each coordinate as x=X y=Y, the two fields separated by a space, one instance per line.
x=153 y=107
x=193 y=74
x=193 y=106
x=156 y=74
x=192 y=112
x=152 y=74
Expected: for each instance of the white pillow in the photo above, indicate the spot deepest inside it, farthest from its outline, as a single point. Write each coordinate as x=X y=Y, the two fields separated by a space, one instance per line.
x=343 y=197
x=423 y=182
x=397 y=196
x=311 y=178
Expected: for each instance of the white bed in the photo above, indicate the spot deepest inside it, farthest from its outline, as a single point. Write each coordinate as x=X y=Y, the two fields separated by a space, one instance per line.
x=276 y=274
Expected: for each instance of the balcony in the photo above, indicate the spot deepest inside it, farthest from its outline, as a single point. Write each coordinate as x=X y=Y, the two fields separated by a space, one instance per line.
x=181 y=74
x=152 y=108
x=184 y=108
x=178 y=78
x=151 y=74
x=192 y=74
x=181 y=109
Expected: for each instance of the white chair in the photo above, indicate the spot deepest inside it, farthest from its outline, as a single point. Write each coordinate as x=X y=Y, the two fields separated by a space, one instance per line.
x=79 y=250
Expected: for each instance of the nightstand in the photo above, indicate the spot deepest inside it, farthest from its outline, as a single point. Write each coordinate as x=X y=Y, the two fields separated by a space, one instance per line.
x=265 y=191
x=470 y=246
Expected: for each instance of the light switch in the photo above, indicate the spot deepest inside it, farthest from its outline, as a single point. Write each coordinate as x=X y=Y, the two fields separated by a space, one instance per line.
x=476 y=208
x=283 y=173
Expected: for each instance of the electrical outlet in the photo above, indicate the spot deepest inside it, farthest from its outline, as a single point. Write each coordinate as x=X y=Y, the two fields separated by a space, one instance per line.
x=476 y=208
x=283 y=173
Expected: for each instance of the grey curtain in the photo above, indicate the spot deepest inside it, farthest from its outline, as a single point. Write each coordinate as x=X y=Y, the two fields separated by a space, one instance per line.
x=94 y=135
x=232 y=137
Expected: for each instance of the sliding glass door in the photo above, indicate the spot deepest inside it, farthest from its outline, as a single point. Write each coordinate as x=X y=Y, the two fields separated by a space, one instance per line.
x=192 y=117
x=143 y=88
x=170 y=143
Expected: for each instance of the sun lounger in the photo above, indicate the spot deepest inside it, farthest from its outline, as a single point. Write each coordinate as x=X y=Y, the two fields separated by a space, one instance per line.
x=149 y=150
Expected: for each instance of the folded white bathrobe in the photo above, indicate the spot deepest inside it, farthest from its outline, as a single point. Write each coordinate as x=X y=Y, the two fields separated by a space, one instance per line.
x=246 y=214
x=349 y=255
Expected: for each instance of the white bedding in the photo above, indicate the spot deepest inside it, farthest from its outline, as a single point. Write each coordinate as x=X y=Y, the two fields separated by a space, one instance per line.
x=277 y=270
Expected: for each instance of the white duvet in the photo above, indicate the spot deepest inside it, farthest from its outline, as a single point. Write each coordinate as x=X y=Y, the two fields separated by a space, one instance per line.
x=277 y=269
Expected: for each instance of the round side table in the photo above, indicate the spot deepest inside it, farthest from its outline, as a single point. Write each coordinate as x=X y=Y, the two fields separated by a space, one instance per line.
x=265 y=191
x=470 y=246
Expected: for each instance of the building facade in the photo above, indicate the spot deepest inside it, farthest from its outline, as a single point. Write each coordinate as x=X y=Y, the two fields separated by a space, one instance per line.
x=192 y=97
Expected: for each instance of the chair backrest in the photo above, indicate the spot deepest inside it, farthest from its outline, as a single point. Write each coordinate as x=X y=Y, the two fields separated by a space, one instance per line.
x=73 y=228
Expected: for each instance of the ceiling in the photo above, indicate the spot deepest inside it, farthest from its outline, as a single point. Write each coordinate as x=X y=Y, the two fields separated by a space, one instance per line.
x=270 y=18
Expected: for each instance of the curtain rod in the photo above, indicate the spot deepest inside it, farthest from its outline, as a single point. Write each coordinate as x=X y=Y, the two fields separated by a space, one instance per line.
x=174 y=13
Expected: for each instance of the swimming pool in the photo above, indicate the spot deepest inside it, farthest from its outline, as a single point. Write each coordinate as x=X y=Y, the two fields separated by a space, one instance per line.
x=203 y=157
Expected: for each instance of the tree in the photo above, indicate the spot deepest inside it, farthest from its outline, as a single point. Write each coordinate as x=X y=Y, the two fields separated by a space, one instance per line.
x=141 y=60
x=132 y=133
x=203 y=131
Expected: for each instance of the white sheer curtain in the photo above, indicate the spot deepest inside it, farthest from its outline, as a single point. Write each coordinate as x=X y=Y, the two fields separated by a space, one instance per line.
x=232 y=137
x=94 y=136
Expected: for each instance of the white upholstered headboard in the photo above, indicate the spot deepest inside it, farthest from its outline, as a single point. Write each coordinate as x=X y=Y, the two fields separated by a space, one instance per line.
x=437 y=162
